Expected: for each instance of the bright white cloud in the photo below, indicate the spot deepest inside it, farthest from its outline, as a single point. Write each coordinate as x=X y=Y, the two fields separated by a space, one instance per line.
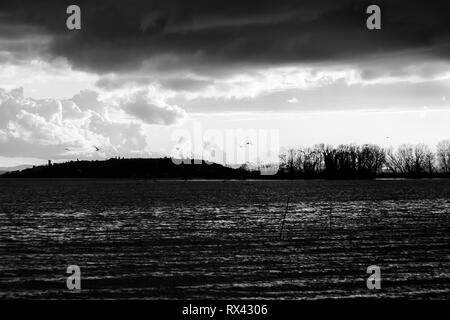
x=52 y=128
x=42 y=79
x=248 y=83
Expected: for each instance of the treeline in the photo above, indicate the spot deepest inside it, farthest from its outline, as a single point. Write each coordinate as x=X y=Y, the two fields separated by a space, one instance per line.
x=351 y=161
x=346 y=161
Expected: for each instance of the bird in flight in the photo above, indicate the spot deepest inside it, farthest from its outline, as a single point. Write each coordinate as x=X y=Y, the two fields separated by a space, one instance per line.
x=97 y=148
x=246 y=144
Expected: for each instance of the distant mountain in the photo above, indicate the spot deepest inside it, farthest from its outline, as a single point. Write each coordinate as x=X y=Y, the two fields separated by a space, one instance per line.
x=163 y=168
x=16 y=168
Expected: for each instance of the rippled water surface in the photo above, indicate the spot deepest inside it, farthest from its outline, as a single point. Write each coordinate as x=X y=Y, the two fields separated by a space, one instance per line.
x=216 y=239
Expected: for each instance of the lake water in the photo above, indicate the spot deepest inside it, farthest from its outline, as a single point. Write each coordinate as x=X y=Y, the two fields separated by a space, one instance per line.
x=214 y=239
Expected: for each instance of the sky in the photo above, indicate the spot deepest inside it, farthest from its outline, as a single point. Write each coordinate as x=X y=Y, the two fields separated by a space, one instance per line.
x=218 y=77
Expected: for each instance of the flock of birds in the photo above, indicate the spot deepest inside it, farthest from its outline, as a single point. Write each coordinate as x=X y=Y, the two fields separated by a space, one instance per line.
x=247 y=144
x=97 y=149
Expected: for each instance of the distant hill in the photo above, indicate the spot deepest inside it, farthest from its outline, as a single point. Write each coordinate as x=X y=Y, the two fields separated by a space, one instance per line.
x=21 y=167
x=162 y=168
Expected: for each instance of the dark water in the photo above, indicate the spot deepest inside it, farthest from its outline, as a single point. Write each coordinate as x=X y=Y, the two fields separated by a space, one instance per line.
x=199 y=239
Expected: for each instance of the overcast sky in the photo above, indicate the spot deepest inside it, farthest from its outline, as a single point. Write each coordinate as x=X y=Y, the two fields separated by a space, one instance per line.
x=138 y=71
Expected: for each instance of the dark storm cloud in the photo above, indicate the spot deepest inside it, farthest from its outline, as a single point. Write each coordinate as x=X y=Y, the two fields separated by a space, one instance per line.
x=121 y=35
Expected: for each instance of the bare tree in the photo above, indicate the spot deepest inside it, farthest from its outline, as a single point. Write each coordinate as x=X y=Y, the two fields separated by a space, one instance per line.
x=443 y=155
x=288 y=161
x=430 y=161
x=313 y=160
x=423 y=159
x=370 y=159
x=410 y=159
x=351 y=160
x=329 y=159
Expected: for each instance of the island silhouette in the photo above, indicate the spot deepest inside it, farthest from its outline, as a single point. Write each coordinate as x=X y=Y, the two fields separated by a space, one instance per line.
x=146 y=168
